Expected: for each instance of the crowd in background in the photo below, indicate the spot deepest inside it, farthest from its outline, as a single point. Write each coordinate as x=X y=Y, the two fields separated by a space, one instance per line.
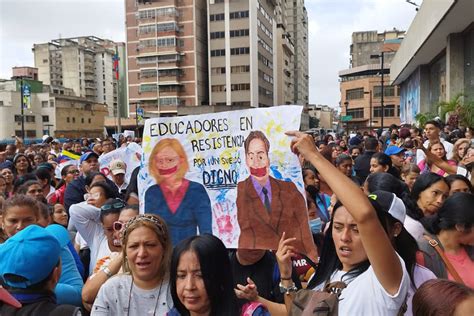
x=391 y=213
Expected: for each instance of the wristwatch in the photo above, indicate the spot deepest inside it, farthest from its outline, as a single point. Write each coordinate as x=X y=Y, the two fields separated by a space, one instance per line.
x=288 y=290
x=107 y=271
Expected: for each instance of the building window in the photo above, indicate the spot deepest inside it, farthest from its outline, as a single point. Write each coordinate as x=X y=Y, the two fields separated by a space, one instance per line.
x=216 y=35
x=18 y=118
x=218 y=88
x=240 y=86
x=82 y=120
x=148 y=87
x=264 y=92
x=74 y=120
x=30 y=118
x=240 y=51
x=89 y=120
x=216 y=17
x=354 y=94
x=45 y=118
x=240 y=69
x=389 y=111
x=356 y=113
x=265 y=77
x=239 y=33
x=265 y=61
x=30 y=133
x=217 y=52
x=239 y=14
x=388 y=91
x=67 y=120
x=218 y=70
x=51 y=103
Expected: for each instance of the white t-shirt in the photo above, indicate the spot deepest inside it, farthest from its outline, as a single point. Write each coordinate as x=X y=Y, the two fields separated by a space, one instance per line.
x=86 y=219
x=420 y=155
x=364 y=295
x=421 y=275
x=463 y=172
x=414 y=227
x=117 y=296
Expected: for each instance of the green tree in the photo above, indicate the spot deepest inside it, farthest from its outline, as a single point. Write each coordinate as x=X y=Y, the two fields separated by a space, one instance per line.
x=422 y=118
x=451 y=106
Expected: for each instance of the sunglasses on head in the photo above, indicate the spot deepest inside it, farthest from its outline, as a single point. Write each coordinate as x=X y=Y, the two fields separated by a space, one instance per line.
x=116 y=205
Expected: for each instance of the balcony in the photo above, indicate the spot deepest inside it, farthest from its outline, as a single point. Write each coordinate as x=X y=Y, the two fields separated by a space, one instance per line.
x=154 y=50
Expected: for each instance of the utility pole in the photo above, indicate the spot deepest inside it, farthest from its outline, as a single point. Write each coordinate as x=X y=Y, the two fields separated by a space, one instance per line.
x=381 y=56
x=22 y=110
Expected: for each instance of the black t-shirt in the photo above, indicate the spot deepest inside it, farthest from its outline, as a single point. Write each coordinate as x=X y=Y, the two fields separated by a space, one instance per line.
x=265 y=275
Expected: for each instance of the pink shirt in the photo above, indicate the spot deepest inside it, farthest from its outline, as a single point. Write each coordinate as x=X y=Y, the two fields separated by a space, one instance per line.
x=174 y=199
x=463 y=265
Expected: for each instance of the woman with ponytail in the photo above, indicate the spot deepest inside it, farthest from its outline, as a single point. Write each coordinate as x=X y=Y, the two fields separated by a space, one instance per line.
x=448 y=249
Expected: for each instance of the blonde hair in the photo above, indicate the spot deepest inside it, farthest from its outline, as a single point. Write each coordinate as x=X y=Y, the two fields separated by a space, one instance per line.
x=178 y=148
x=458 y=143
x=158 y=226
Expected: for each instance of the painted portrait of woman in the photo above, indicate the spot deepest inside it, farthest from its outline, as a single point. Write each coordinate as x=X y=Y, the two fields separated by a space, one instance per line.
x=183 y=204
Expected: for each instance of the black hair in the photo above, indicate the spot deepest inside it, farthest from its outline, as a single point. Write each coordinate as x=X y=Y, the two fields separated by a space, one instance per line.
x=109 y=193
x=454 y=177
x=92 y=175
x=457 y=209
x=20 y=180
x=434 y=123
x=30 y=167
x=385 y=160
x=341 y=158
x=215 y=266
x=371 y=143
x=43 y=174
x=423 y=182
x=351 y=149
x=23 y=189
x=111 y=206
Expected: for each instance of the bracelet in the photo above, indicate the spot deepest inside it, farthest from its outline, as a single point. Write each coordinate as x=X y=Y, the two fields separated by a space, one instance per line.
x=107 y=271
x=288 y=290
x=285 y=279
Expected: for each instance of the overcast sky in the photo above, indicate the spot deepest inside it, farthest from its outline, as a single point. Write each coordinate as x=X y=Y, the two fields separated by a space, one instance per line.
x=331 y=23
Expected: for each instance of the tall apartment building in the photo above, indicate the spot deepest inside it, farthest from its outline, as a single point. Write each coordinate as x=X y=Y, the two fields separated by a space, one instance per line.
x=297 y=18
x=242 y=41
x=83 y=64
x=167 y=55
x=361 y=84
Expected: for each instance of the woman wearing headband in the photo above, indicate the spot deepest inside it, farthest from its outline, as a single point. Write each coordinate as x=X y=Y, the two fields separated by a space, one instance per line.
x=144 y=287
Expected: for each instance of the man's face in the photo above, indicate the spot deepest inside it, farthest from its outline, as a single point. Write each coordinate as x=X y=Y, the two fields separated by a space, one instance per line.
x=119 y=178
x=257 y=159
x=431 y=131
x=107 y=146
x=10 y=150
x=91 y=164
x=398 y=159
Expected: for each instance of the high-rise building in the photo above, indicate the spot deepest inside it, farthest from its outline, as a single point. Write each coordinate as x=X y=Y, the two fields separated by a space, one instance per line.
x=83 y=64
x=297 y=18
x=242 y=41
x=362 y=85
x=167 y=55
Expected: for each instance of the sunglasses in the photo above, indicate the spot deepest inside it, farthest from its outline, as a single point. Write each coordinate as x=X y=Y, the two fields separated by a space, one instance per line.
x=118 y=226
x=91 y=196
x=73 y=172
x=116 y=205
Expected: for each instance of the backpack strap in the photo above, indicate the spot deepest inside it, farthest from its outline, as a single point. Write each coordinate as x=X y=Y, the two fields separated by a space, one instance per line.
x=433 y=243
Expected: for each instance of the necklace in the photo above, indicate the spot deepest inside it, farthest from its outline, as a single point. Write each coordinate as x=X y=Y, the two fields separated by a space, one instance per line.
x=130 y=298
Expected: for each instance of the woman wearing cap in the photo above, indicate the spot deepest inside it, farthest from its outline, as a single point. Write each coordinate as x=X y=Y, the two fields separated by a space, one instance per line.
x=182 y=203
x=94 y=219
x=451 y=229
x=357 y=248
x=109 y=265
x=144 y=289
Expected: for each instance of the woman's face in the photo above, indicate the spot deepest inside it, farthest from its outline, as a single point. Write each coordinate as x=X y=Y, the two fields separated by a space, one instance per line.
x=431 y=199
x=72 y=174
x=60 y=215
x=96 y=197
x=190 y=286
x=167 y=162
x=347 y=242
x=458 y=186
x=17 y=218
x=108 y=227
x=3 y=185
x=355 y=153
x=38 y=160
x=376 y=167
x=438 y=150
x=119 y=225
x=346 y=167
x=21 y=164
x=310 y=179
x=144 y=254
x=8 y=175
x=462 y=149
x=410 y=179
x=35 y=191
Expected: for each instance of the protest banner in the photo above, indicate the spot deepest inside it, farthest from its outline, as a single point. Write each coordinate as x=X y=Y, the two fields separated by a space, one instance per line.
x=201 y=174
x=131 y=155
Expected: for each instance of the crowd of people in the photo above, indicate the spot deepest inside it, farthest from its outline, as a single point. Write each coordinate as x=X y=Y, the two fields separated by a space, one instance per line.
x=391 y=214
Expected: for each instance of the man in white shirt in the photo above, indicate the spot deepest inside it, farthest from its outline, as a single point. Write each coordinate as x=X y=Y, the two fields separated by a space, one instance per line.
x=432 y=130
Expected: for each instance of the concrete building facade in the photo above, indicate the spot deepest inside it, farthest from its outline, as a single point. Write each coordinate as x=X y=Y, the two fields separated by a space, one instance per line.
x=167 y=55
x=361 y=84
x=83 y=64
x=324 y=114
x=435 y=61
x=52 y=113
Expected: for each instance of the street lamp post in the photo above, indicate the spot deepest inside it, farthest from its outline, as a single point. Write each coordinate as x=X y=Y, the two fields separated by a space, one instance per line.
x=381 y=56
x=370 y=108
x=22 y=110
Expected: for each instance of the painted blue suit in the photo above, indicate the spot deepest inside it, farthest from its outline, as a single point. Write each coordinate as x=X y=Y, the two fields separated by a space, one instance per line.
x=193 y=212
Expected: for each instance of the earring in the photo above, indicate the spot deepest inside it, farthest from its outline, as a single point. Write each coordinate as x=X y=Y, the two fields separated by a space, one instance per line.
x=395 y=235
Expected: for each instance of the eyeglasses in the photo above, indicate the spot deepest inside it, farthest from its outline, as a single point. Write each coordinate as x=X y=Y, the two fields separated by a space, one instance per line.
x=116 y=205
x=73 y=172
x=118 y=226
x=88 y=196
